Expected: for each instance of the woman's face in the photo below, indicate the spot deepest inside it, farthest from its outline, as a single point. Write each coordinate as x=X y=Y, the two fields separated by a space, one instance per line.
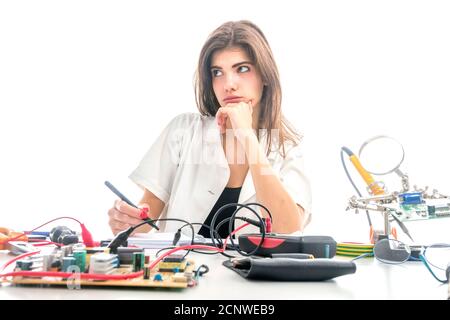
x=235 y=78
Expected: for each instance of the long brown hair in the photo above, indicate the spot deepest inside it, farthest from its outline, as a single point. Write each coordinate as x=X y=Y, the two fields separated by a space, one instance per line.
x=246 y=35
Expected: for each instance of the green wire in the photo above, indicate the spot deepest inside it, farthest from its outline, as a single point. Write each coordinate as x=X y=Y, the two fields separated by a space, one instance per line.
x=424 y=260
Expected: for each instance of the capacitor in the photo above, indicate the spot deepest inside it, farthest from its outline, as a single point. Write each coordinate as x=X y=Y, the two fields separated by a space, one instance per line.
x=158 y=277
x=67 y=262
x=80 y=258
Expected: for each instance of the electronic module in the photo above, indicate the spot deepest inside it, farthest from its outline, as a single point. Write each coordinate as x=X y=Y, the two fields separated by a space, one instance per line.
x=77 y=265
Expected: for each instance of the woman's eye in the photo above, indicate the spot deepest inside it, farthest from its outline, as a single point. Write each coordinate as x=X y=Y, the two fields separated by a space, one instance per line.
x=216 y=72
x=243 y=69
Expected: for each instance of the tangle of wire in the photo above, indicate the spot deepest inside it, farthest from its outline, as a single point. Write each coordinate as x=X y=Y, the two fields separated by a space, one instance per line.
x=214 y=234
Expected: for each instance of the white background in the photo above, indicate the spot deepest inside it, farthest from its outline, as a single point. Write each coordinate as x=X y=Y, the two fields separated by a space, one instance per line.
x=86 y=86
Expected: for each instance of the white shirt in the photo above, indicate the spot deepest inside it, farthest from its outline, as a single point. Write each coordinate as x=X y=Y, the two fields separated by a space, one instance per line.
x=186 y=168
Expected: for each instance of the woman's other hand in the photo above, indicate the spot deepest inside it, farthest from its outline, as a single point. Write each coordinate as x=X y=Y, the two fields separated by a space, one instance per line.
x=240 y=117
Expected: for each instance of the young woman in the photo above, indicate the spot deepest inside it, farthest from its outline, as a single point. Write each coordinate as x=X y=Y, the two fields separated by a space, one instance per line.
x=239 y=148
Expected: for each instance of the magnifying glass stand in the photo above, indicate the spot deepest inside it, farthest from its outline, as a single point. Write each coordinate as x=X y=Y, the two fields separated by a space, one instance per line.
x=405 y=180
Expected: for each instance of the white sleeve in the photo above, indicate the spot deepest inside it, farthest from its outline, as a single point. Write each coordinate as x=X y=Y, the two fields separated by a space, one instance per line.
x=295 y=181
x=156 y=171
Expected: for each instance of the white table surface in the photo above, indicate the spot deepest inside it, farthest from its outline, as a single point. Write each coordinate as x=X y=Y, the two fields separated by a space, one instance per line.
x=372 y=280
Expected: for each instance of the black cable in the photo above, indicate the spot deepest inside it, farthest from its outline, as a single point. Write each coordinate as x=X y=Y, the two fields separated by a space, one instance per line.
x=350 y=153
x=213 y=221
x=201 y=270
x=162 y=249
x=233 y=247
x=170 y=219
x=192 y=242
x=214 y=231
x=203 y=225
x=231 y=224
x=214 y=234
x=199 y=250
x=263 y=234
x=195 y=224
x=402 y=226
x=205 y=252
x=190 y=250
x=262 y=206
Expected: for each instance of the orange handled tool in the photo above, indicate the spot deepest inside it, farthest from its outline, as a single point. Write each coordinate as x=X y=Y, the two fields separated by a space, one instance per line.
x=373 y=185
x=7 y=235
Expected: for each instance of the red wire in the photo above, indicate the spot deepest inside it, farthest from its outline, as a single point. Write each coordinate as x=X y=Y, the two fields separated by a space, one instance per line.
x=93 y=276
x=90 y=276
x=24 y=234
x=31 y=253
x=232 y=233
x=196 y=246
x=18 y=258
x=46 y=243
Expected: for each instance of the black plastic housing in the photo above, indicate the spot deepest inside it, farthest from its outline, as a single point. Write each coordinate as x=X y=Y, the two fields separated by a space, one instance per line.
x=318 y=246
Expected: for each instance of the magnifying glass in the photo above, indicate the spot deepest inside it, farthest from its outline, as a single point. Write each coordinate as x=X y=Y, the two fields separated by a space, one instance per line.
x=379 y=155
x=382 y=155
